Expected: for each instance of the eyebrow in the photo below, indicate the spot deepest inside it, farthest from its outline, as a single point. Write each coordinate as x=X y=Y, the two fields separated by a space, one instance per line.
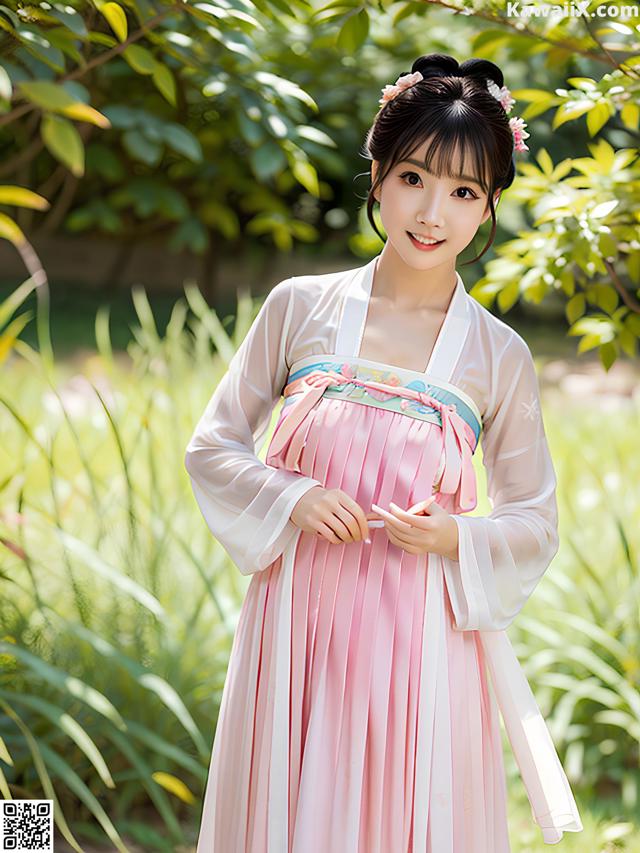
x=456 y=177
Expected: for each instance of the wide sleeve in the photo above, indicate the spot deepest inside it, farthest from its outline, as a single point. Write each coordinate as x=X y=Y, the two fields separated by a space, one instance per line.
x=503 y=556
x=246 y=503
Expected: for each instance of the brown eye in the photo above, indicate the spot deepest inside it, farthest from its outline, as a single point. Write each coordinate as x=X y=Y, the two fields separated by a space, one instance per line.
x=469 y=190
x=410 y=174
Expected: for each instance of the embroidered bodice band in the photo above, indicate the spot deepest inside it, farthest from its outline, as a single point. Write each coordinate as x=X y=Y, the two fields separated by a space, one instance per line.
x=392 y=389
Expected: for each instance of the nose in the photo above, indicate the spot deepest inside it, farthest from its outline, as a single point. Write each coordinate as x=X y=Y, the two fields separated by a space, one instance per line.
x=431 y=214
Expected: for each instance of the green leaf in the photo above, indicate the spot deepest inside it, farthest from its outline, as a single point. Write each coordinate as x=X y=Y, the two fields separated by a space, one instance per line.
x=354 y=32
x=267 y=160
x=191 y=235
x=64 y=142
x=140 y=59
x=45 y=94
x=62 y=720
x=608 y=353
x=608 y=245
x=183 y=141
x=165 y=83
x=68 y=685
x=314 y=134
x=37 y=753
x=575 y=308
x=606 y=297
x=588 y=342
x=91 y=559
x=306 y=175
x=59 y=767
x=285 y=88
x=628 y=342
x=633 y=266
x=489 y=37
x=141 y=148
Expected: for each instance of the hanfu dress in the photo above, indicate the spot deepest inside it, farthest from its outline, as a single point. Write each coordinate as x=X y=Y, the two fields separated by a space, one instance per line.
x=360 y=708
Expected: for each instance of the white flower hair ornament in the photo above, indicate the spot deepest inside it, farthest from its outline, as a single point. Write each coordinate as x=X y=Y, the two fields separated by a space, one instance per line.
x=501 y=94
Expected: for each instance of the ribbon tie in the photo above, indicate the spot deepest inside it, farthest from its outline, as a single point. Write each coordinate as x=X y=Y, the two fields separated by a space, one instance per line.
x=458 y=437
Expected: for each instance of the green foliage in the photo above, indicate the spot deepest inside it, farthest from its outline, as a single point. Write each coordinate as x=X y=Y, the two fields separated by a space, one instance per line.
x=182 y=93
x=240 y=110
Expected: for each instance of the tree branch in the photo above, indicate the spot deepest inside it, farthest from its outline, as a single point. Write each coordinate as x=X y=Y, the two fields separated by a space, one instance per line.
x=628 y=298
x=523 y=29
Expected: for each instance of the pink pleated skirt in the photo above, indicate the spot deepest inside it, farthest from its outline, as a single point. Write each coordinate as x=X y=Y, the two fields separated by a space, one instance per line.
x=357 y=621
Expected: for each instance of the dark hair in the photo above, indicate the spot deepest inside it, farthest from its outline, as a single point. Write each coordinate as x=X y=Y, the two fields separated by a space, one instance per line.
x=453 y=107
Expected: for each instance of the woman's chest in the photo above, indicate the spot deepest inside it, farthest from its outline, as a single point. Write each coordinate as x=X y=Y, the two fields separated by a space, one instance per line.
x=403 y=339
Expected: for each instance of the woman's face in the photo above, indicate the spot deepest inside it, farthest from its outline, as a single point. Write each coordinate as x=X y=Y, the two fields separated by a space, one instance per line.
x=413 y=201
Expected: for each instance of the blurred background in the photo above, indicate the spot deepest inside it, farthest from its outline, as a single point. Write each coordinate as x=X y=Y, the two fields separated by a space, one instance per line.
x=162 y=166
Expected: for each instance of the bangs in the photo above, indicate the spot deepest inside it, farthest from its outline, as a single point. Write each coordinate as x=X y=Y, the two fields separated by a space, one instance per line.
x=454 y=143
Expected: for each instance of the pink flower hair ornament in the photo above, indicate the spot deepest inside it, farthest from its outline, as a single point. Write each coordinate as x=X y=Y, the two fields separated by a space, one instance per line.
x=501 y=94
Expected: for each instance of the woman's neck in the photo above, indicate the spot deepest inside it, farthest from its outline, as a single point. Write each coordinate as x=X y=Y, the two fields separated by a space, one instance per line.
x=408 y=288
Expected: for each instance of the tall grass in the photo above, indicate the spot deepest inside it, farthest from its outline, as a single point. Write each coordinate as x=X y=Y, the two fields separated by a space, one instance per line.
x=118 y=607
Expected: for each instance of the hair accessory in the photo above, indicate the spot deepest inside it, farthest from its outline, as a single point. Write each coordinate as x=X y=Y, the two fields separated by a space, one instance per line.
x=517 y=125
x=501 y=94
x=403 y=82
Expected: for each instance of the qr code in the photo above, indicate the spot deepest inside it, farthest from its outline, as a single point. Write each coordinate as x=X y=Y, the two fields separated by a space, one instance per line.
x=26 y=826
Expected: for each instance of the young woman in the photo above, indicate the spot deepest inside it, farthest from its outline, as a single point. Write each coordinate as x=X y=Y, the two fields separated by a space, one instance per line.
x=358 y=715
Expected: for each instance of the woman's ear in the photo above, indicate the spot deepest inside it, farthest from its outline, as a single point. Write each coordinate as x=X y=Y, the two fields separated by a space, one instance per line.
x=487 y=212
x=374 y=172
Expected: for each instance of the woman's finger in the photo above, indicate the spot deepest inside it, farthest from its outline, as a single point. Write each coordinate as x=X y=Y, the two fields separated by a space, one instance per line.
x=422 y=521
x=390 y=517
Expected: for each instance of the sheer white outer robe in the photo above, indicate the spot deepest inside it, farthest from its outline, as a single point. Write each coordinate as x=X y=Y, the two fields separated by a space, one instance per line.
x=502 y=557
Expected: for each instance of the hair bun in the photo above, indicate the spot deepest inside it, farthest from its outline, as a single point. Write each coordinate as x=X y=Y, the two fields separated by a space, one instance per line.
x=443 y=65
x=436 y=65
x=482 y=69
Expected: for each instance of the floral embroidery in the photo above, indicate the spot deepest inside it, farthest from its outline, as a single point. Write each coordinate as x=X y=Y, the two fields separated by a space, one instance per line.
x=356 y=374
x=531 y=409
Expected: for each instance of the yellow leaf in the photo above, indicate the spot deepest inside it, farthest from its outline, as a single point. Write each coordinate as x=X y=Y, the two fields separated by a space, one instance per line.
x=21 y=197
x=10 y=231
x=83 y=112
x=116 y=18
x=545 y=161
x=10 y=335
x=569 y=111
x=598 y=117
x=530 y=94
x=630 y=115
x=173 y=785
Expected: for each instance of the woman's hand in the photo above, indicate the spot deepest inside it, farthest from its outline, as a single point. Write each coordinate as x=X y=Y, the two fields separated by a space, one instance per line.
x=331 y=514
x=424 y=527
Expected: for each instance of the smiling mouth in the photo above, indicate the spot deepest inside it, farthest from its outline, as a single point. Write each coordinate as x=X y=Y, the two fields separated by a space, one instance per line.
x=424 y=241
